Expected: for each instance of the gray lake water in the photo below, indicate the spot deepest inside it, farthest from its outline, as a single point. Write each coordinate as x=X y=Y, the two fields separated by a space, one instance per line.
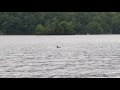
x=80 y=56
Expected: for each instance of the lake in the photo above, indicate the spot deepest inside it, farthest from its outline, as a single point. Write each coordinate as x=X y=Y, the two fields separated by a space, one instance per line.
x=80 y=56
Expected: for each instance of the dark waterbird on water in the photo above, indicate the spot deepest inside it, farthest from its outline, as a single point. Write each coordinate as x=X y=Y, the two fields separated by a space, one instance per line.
x=58 y=47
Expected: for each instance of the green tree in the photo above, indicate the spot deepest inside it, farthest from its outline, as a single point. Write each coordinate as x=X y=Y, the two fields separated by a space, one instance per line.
x=116 y=25
x=67 y=27
x=93 y=28
x=40 y=29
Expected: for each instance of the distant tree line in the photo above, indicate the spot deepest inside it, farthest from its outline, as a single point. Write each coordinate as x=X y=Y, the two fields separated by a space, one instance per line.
x=59 y=23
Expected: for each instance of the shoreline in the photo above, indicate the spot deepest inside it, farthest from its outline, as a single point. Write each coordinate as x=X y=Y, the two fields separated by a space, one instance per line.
x=63 y=35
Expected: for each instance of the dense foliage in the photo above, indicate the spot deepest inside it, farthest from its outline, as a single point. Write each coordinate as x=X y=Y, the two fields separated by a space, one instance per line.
x=59 y=23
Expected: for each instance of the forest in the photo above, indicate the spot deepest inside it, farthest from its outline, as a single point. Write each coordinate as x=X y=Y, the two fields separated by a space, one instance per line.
x=59 y=23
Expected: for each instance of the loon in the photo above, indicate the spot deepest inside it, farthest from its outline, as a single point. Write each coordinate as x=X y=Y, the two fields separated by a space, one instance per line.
x=58 y=47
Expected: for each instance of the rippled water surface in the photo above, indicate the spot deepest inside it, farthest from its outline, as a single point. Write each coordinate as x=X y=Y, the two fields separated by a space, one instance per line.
x=80 y=56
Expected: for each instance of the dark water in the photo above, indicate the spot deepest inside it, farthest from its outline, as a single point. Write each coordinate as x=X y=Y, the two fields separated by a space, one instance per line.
x=85 y=56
